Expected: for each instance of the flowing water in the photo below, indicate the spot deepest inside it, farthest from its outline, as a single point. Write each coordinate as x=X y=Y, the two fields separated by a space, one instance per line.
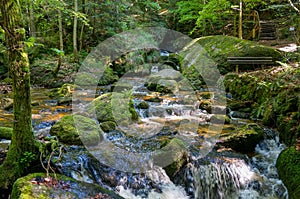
x=215 y=175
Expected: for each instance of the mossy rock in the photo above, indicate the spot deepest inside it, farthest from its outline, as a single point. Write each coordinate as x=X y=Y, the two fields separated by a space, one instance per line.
x=108 y=77
x=206 y=105
x=176 y=160
x=64 y=91
x=167 y=86
x=220 y=119
x=143 y=105
x=165 y=81
x=219 y=47
x=243 y=139
x=24 y=188
x=86 y=130
x=288 y=166
x=108 y=126
x=110 y=107
x=6 y=133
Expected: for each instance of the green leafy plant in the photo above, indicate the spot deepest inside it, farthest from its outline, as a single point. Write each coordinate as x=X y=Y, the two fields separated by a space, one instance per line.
x=27 y=158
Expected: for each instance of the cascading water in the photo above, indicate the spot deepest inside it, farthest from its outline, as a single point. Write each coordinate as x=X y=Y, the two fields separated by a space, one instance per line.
x=219 y=175
x=222 y=177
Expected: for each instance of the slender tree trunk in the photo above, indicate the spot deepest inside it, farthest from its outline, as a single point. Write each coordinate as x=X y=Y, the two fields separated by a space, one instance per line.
x=31 y=21
x=81 y=38
x=75 y=32
x=241 y=20
x=61 y=43
x=82 y=27
x=22 y=139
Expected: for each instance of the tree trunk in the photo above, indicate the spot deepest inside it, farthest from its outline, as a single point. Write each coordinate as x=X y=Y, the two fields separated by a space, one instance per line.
x=82 y=27
x=75 y=31
x=241 y=20
x=22 y=139
x=31 y=21
x=61 y=44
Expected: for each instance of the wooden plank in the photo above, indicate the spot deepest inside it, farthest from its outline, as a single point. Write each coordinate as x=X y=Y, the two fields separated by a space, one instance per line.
x=250 y=61
x=249 y=58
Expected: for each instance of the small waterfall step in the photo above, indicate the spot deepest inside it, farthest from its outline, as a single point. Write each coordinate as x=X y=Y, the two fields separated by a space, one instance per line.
x=267 y=30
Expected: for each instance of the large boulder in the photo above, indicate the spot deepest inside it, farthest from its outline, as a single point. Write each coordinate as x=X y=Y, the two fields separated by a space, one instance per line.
x=165 y=81
x=206 y=57
x=115 y=107
x=288 y=166
x=68 y=133
x=38 y=185
x=219 y=47
x=242 y=139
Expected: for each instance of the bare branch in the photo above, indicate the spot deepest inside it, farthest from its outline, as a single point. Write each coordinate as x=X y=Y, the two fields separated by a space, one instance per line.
x=293 y=5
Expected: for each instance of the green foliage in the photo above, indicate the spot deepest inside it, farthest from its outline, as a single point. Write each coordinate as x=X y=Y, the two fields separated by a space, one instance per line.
x=27 y=158
x=58 y=52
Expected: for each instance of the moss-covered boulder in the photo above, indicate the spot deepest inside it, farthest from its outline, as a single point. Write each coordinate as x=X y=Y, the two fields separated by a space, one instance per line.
x=219 y=47
x=86 y=130
x=288 y=166
x=108 y=126
x=115 y=107
x=143 y=105
x=6 y=133
x=37 y=186
x=242 y=139
x=165 y=81
x=173 y=152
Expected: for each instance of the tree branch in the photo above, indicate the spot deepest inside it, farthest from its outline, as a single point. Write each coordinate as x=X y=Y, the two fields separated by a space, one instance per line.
x=293 y=5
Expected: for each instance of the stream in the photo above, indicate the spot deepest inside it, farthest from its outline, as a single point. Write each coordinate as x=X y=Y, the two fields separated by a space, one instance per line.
x=212 y=174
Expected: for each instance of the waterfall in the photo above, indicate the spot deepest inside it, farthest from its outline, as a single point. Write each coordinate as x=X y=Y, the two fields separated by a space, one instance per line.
x=223 y=177
x=166 y=189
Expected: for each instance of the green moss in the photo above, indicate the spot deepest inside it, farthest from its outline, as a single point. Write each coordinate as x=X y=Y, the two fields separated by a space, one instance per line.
x=110 y=107
x=143 y=105
x=220 y=119
x=220 y=47
x=288 y=127
x=108 y=126
x=64 y=91
x=108 y=77
x=288 y=166
x=24 y=189
x=243 y=139
x=67 y=132
x=272 y=95
x=176 y=160
x=6 y=133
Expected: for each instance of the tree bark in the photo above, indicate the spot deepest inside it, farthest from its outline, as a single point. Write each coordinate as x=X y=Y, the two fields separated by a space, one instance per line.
x=75 y=31
x=22 y=139
x=61 y=43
